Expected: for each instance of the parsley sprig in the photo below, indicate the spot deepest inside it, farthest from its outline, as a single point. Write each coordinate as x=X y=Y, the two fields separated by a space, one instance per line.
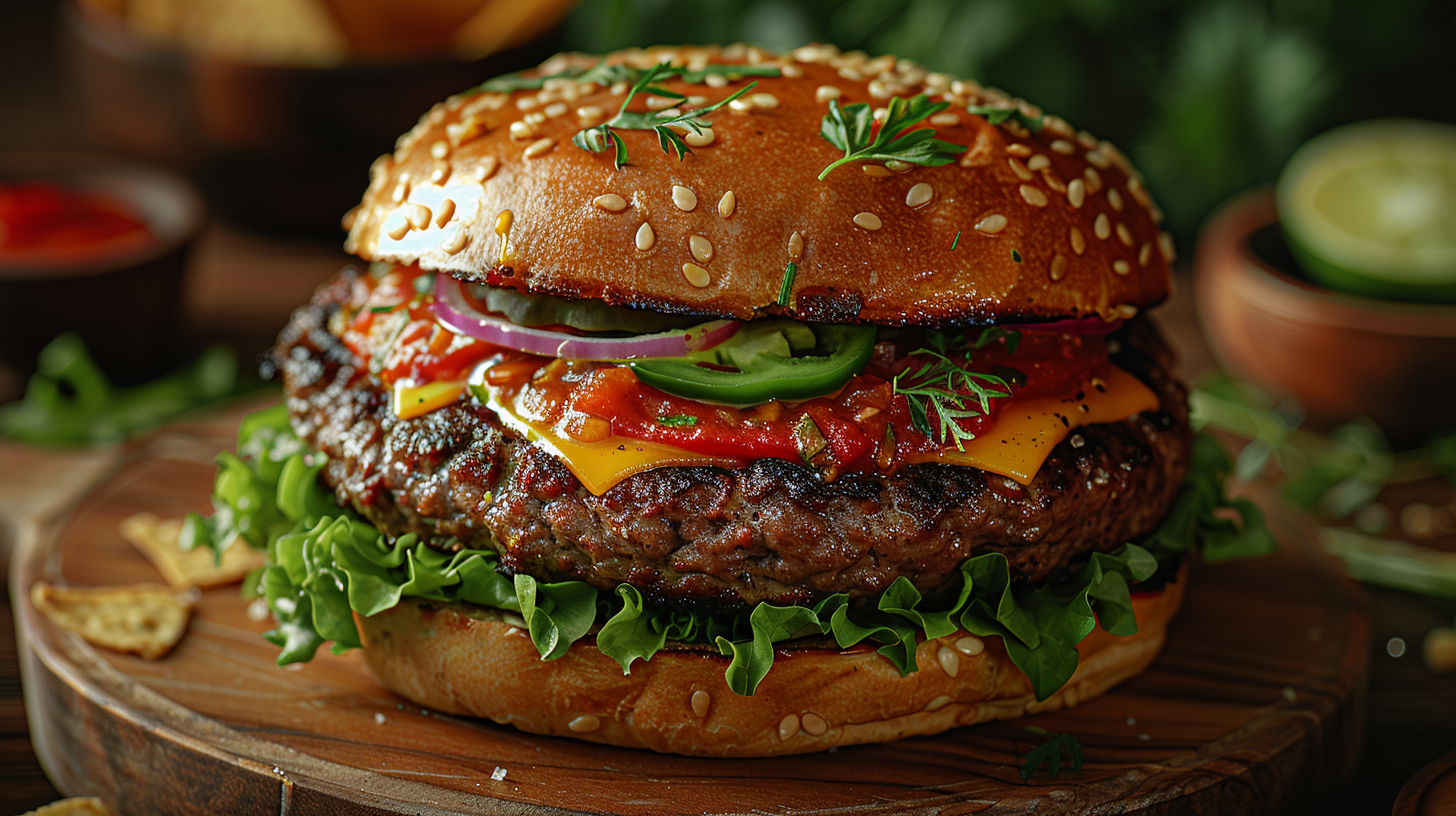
x=954 y=393
x=601 y=137
x=997 y=115
x=851 y=129
x=1049 y=753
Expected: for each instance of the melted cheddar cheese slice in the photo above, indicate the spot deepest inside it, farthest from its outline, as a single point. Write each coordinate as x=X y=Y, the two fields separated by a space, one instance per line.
x=1024 y=434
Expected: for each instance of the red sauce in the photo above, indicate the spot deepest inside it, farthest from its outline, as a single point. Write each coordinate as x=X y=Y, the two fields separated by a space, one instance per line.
x=865 y=427
x=41 y=219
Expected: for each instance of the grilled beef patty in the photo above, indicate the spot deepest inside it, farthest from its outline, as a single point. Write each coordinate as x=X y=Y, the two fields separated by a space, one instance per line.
x=718 y=539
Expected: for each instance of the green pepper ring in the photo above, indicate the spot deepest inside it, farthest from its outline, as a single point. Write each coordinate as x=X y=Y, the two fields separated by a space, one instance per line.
x=768 y=377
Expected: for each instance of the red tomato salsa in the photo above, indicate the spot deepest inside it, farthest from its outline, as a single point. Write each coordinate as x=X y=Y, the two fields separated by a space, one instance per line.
x=866 y=426
x=41 y=219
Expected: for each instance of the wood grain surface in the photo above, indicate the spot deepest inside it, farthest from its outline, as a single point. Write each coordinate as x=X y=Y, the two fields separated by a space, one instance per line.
x=1253 y=704
x=1431 y=792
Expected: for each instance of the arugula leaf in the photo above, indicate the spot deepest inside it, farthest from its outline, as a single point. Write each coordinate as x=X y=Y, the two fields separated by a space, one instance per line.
x=1194 y=520
x=1049 y=753
x=599 y=138
x=998 y=115
x=851 y=129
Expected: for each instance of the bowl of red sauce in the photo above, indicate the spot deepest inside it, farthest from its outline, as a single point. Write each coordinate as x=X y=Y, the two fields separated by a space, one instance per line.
x=97 y=246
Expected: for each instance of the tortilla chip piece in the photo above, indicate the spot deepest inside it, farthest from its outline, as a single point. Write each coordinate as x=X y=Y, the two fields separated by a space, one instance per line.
x=145 y=619
x=81 y=806
x=157 y=539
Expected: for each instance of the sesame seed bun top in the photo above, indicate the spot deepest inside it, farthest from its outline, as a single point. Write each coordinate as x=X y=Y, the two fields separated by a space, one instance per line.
x=1020 y=225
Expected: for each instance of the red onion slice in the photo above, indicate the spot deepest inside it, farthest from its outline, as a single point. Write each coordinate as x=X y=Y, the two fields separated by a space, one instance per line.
x=455 y=312
x=1084 y=325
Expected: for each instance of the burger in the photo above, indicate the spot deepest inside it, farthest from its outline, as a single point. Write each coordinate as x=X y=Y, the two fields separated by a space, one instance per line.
x=724 y=403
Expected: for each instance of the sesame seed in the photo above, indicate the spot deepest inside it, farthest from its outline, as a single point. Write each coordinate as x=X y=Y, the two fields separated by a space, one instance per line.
x=526 y=103
x=701 y=248
x=447 y=211
x=466 y=131
x=440 y=149
x=401 y=191
x=1077 y=192
x=876 y=170
x=880 y=64
x=1121 y=267
x=455 y=239
x=590 y=114
x=881 y=90
x=439 y=174
x=919 y=195
x=727 y=204
x=660 y=102
x=1127 y=311
x=486 y=168
x=899 y=166
x=1138 y=192
x=1038 y=162
x=991 y=224
x=764 y=100
x=788 y=726
x=970 y=644
x=949 y=661
x=1102 y=228
x=945 y=119
x=1165 y=246
x=684 y=198
x=555 y=109
x=716 y=81
x=1086 y=139
x=645 y=237
x=539 y=147
x=796 y=246
x=418 y=215
x=1098 y=159
x=791 y=71
x=701 y=138
x=1058 y=268
x=1114 y=198
x=741 y=105
x=1079 y=243
x=1053 y=182
x=1145 y=254
x=814 y=725
x=881 y=113
x=1020 y=170
x=611 y=202
x=938 y=703
x=696 y=275
x=584 y=723
x=521 y=131
x=700 y=701
x=851 y=74
x=695 y=100
x=867 y=220
x=1017 y=149
x=620 y=87
x=1124 y=235
x=1033 y=196
x=1094 y=179
x=1064 y=147
x=824 y=93
x=533 y=119
x=397 y=225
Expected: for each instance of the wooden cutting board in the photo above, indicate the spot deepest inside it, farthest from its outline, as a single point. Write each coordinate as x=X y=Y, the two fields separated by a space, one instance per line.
x=1253 y=704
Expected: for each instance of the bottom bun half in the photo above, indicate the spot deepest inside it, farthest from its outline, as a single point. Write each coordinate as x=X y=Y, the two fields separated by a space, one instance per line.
x=482 y=663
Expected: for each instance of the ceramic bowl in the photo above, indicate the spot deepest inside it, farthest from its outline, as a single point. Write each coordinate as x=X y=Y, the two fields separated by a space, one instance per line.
x=1339 y=355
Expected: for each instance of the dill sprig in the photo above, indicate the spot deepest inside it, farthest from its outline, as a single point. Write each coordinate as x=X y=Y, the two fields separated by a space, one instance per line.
x=601 y=137
x=851 y=129
x=953 y=393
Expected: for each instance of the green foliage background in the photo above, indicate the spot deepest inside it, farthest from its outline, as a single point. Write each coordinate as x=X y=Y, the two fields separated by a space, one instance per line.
x=1209 y=97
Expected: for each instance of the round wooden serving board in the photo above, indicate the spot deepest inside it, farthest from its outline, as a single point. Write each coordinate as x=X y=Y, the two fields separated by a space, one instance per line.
x=1253 y=703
